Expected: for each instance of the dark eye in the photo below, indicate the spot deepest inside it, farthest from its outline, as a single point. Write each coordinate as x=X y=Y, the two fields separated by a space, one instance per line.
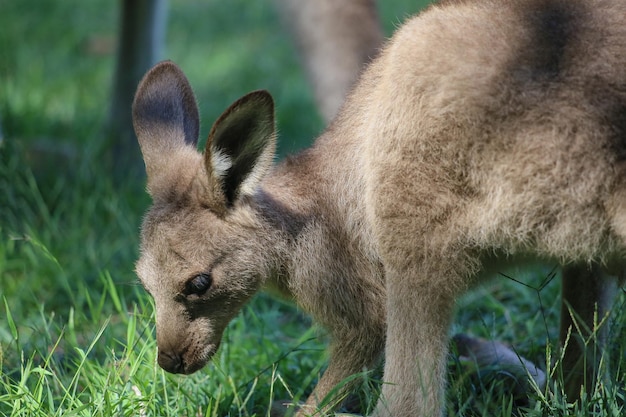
x=198 y=285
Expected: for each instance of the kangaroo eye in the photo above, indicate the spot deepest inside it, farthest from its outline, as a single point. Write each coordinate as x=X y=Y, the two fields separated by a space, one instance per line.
x=198 y=285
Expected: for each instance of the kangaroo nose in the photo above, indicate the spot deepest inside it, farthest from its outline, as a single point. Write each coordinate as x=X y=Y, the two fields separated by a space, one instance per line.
x=171 y=362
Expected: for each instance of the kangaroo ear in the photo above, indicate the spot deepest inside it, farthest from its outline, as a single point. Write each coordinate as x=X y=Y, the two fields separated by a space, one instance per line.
x=240 y=148
x=165 y=116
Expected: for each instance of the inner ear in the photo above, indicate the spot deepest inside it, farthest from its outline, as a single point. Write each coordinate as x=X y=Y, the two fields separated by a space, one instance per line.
x=240 y=147
x=241 y=140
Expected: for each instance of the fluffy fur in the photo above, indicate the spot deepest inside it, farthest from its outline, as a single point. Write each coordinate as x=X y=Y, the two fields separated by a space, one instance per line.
x=486 y=132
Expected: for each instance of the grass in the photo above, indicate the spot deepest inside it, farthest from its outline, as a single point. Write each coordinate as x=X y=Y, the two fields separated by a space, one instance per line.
x=76 y=330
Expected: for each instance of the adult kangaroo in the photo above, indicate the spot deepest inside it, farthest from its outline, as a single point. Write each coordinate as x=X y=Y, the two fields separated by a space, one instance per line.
x=486 y=133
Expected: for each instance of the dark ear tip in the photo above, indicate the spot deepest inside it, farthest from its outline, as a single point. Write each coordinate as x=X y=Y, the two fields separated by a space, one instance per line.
x=262 y=97
x=164 y=96
x=163 y=69
x=166 y=65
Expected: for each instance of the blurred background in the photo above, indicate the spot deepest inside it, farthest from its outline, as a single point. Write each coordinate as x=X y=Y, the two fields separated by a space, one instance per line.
x=73 y=318
x=62 y=184
x=76 y=330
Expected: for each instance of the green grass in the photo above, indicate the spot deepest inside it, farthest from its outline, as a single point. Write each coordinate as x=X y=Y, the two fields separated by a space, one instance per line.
x=76 y=329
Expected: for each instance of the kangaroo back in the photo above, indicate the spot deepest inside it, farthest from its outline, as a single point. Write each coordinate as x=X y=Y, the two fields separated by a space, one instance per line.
x=494 y=131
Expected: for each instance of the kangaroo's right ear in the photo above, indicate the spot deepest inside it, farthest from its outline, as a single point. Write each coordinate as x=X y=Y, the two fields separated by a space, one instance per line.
x=240 y=149
x=165 y=116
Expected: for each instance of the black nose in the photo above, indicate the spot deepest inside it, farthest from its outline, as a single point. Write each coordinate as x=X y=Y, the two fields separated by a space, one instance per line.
x=171 y=362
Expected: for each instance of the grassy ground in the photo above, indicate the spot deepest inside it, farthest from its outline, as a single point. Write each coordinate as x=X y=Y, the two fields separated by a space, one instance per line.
x=76 y=330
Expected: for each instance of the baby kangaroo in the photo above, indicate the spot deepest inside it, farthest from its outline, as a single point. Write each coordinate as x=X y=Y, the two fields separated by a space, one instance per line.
x=486 y=132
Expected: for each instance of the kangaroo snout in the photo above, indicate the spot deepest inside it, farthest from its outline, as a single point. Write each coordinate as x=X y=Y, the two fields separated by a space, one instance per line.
x=185 y=362
x=171 y=362
x=185 y=353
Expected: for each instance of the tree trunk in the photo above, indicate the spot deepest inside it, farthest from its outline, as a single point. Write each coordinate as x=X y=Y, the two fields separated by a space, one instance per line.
x=140 y=42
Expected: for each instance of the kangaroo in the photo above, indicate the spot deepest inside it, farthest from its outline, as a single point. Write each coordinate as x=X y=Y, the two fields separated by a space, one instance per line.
x=485 y=134
x=335 y=40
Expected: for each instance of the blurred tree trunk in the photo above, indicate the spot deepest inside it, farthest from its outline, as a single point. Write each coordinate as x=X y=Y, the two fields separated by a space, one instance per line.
x=140 y=42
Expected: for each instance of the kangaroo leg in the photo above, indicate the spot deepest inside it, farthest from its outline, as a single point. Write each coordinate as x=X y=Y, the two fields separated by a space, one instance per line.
x=587 y=296
x=495 y=355
x=419 y=310
x=350 y=353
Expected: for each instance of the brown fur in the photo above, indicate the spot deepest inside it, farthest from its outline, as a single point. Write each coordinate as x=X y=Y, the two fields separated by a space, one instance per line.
x=485 y=132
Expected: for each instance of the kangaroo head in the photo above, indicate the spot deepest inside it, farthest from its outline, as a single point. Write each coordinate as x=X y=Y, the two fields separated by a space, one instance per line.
x=201 y=243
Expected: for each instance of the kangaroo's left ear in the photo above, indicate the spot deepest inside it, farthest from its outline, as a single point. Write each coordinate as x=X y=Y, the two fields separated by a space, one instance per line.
x=165 y=118
x=240 y=148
